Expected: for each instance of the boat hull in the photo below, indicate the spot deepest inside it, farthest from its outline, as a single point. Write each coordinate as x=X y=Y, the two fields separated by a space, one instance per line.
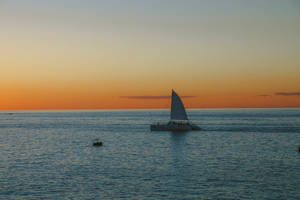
x=174 y=127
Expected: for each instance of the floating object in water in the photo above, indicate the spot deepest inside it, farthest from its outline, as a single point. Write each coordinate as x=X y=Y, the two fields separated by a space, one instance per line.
x=97 y=143
x=299 y=149
x=179 y=120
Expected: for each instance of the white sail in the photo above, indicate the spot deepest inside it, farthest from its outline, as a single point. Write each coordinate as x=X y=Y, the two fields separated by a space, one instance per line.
x=177 y=108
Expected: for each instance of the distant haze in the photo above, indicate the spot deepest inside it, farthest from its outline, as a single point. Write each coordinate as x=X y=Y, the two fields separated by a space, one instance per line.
x=71 y=54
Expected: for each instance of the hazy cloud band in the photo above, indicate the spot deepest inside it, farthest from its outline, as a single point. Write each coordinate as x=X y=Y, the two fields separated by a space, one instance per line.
x=153 y=97
x=288 y=93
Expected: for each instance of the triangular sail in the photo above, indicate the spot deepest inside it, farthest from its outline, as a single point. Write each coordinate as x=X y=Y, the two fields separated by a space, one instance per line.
x=177 y=108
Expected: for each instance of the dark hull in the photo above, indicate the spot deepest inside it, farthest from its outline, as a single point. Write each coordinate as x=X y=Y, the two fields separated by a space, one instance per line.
x=174 y=127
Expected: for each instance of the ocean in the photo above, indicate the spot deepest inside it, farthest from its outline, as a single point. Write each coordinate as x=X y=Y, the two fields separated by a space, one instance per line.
x=239 y=154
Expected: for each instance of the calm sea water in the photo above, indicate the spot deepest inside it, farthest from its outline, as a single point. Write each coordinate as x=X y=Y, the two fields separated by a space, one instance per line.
x=239 y=154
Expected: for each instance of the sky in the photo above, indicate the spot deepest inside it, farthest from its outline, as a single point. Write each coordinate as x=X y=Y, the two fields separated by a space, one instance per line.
x=119 y=54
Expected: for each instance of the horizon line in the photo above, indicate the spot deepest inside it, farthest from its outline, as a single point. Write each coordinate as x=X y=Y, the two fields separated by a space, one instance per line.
x=61 y=109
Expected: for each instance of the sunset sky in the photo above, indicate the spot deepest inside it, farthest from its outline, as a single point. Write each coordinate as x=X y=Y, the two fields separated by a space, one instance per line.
x=72 y=54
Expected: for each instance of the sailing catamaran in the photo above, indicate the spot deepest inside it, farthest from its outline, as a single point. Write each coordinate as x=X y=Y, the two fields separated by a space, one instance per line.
x=179 y=120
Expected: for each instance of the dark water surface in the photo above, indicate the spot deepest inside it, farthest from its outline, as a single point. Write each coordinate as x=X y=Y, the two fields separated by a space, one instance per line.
x=240 y=154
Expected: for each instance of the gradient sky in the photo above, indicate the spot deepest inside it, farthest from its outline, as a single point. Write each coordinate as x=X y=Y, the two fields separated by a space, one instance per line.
x=61 y=54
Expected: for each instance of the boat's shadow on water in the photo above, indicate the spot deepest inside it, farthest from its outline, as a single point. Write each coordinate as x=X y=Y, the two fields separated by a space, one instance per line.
x=177 y=154
x=178 y=139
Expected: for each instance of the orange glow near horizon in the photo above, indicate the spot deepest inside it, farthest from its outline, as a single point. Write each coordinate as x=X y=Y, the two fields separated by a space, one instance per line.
x=92 y=97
